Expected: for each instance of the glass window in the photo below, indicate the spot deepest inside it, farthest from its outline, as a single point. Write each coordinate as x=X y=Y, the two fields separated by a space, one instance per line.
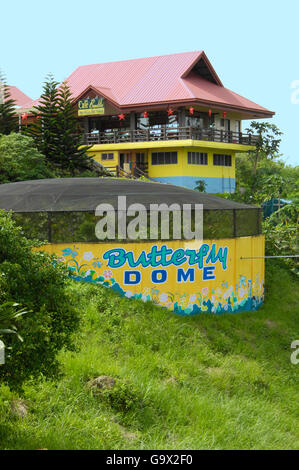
x=222 y=160
x=107 y=156
x=164 y=158
x=197 y=158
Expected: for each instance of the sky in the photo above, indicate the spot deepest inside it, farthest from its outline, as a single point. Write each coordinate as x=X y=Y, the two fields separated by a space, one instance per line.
x=253 y=45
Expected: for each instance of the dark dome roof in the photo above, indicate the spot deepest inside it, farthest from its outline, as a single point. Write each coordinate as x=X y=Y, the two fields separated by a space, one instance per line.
x=85 y=194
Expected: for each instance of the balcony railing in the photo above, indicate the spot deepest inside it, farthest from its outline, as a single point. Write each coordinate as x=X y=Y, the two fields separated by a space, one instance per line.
x=178 y=133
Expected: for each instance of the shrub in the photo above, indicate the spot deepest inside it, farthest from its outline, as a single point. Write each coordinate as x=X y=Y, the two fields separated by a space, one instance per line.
x=20 y=160
x=31 y=279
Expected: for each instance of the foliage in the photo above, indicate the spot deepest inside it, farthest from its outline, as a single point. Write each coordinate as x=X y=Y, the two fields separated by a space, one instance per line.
x=55 y=130
x=30 y=278
x=208 y=372
x=282 y=230
x=8 y=117
x=9 y=316
x=20 y=160
x=273 y=179
x=201 y=186
x=267 y=145
x=122 y=396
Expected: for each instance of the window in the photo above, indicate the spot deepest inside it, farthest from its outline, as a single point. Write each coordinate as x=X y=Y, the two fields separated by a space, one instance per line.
x=164 y=158
x=107 y=156
x=197 y=158
x=222 y=160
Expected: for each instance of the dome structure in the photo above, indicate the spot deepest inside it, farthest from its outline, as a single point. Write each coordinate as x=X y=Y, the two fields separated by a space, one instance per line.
x=222 y=272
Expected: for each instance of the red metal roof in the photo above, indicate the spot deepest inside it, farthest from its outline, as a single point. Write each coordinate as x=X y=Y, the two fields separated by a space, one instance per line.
x=18 y=96
x=165 y=79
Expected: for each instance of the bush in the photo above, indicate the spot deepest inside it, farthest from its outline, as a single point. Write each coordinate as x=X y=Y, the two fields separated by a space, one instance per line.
x=31 y=279
x=20 y=160
x=281 y=231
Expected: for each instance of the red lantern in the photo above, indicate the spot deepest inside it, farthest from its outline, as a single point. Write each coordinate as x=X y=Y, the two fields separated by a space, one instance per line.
x=224 y=114
x=210 y=112
x=38 y=116
x=145 y=114
x=121 y=117
x=24 y=116
x=169 y=111
x=191 y=110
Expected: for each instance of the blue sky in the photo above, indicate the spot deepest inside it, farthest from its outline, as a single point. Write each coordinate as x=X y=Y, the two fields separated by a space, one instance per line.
x=252 y=45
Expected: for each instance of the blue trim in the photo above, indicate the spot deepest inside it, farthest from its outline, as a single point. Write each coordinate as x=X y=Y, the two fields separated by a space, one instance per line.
x=213 y=185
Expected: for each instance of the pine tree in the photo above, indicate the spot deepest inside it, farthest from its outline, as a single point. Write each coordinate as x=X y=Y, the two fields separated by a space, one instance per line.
x=71 y=154
x=55 y=130
x=44 y=127
x=8 y=116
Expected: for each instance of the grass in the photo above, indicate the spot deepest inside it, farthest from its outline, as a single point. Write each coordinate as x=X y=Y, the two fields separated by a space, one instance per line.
x=204 y=382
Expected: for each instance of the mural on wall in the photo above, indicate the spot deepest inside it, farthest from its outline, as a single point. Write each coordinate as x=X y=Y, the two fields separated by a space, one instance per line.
x=188 y=280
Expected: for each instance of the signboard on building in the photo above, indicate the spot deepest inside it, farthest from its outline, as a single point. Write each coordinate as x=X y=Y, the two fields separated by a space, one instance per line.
x=90 y=106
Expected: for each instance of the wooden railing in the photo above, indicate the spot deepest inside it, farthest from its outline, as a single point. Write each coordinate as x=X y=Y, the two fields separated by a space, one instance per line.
x=168 y=133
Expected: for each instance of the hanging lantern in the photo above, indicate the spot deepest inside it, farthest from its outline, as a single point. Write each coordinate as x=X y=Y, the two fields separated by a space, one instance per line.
x=210 y=112
x=169 y=111
x=224 y=114
x=121 y=117
x=145 y=114
x=24 y=116
x=191 y=110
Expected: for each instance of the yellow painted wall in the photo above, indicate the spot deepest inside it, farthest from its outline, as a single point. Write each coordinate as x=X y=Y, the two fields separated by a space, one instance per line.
x=96 y=155
x=185 y=169
x=238 y=283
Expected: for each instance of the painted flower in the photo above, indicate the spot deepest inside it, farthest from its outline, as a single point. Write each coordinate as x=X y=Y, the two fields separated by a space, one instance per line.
x=87 y=273
x=169 y=305
x=213 y=299
x=107 y=274
x=205 y=291
x=67 y=251
x=192 y=299
x=88 y=255
x=242 y=292
x=97 y=264
x=182 y=302
x=146 y=291
x=163 y=298
x=128 y=294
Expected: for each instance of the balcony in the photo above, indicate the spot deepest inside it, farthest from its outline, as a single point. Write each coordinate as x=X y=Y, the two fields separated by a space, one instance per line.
x=169 y=133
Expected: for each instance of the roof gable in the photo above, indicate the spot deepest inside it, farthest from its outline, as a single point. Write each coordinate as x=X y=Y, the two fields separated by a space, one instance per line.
x=163 y=80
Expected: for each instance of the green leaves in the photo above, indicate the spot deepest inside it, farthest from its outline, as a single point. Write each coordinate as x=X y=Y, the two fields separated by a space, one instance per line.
x=8 y=117
x=56 y=131
x=9 y=314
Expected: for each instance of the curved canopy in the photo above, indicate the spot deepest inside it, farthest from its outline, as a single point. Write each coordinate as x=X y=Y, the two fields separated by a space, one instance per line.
x=85 y=194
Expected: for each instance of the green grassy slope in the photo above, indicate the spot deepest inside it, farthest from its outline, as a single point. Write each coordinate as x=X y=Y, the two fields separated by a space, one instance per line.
x=205 y=382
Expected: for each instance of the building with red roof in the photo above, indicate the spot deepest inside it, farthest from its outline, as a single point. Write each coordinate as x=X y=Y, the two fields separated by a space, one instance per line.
x=168 y=117
x=18 y=96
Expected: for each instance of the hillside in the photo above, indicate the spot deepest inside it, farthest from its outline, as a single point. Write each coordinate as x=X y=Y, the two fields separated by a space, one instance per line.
x=202 y=382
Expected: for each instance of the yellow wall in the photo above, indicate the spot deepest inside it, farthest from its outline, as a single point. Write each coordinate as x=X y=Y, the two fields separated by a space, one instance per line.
x=96 y=155
x=238 y=283
x=185 y=169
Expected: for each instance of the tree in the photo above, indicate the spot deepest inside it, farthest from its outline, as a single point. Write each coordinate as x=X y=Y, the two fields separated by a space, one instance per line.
x=56 y=132
x=70 y=152
x=44 y=129
x=267 y=145
x=8 y=117
x=200 y=186
x=35 y=280
x=20 y=160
